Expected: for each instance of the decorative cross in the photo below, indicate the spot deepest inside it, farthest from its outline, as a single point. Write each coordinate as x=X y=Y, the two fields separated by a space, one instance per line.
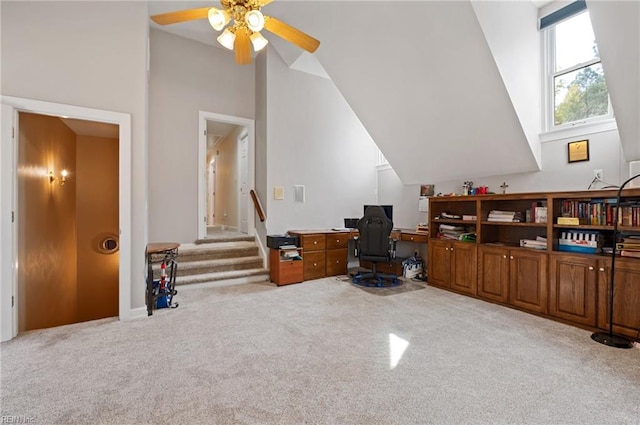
x=504 y=187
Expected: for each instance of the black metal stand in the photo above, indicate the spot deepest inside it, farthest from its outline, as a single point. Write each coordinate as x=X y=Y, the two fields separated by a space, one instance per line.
x=608 y=338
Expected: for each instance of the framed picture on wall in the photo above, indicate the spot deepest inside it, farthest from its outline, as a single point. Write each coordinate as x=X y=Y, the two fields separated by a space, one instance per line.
x=578 y=151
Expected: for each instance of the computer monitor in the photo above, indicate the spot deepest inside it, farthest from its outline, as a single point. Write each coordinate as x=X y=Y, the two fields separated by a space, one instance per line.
x=388 y=210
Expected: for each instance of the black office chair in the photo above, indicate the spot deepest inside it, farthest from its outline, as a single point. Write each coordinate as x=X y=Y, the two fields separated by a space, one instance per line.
x=374 y=244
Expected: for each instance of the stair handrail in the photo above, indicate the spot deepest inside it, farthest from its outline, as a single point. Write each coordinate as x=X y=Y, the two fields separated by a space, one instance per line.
x=257 y=205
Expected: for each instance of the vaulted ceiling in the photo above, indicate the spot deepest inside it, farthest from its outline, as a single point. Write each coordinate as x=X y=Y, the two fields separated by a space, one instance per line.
x=447 y=89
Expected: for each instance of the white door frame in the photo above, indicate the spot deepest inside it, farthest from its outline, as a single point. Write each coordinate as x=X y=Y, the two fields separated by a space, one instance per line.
x=202 y=171
x=8 y=182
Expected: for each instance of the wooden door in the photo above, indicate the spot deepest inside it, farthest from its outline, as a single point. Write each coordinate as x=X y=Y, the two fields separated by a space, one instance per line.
x=464 y=267
x=572 y=288
x=626 y=297
x=439 y=263
x=528 y=280
x=493 y=273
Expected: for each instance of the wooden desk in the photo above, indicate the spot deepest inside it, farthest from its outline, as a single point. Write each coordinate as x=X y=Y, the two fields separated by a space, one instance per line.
x=326 y=251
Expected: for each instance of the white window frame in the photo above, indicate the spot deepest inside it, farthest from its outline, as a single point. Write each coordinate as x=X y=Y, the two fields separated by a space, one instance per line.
x=550 y=131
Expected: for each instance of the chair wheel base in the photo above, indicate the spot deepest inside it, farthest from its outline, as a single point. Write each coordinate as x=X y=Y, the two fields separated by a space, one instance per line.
x=376 y=281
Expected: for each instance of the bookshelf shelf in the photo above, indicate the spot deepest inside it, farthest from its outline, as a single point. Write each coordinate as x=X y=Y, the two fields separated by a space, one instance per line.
x=566 y=279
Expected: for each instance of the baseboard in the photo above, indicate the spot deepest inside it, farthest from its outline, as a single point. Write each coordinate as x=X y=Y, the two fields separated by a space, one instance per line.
x=135 y=313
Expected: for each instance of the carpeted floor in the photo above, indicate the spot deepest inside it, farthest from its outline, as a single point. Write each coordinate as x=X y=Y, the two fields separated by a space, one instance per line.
x=319 y=352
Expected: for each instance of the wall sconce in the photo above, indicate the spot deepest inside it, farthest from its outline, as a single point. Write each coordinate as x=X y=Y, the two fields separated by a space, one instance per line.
x=63 y=177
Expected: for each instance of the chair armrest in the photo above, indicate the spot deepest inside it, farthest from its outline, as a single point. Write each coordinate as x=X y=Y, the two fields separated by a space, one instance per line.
x=392 y=247
x=356 y=245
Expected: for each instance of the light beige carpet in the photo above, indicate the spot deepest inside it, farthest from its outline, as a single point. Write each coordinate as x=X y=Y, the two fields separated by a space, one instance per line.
x=320 y=352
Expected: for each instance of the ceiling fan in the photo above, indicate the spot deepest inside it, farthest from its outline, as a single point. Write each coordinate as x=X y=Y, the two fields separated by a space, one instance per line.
x=245 y=23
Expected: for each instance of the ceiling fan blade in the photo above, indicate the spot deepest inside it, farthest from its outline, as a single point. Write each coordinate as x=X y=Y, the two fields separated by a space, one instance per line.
x=181 y=16
x=291 y=34
x=242 y=46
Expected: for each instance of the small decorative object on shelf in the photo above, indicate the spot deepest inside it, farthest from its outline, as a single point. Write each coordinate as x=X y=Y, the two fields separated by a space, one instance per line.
x=504 y=187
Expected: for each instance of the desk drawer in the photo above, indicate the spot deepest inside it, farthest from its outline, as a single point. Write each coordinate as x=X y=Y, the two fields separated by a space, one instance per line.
x=337 y=240
x=313 y=242
x=288 y=272
x=314 y=265
x=411 y=237
x=336 y=262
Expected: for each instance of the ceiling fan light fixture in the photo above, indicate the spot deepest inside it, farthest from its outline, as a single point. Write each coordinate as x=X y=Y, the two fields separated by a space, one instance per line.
x=254 y=20
x=227 y=38
x=218 y=18
x=258 y=41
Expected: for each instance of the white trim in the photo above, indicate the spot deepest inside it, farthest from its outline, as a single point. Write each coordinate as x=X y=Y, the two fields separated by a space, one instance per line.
x=137 y=313
x=583 y=129
x=8 y=315
x=203 y=116
x=549 y=74
x=123 y=120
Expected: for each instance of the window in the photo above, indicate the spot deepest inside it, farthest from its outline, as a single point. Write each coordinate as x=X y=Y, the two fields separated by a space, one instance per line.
x=575 y=88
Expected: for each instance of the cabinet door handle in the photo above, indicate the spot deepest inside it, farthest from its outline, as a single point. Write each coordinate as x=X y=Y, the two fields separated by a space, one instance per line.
x=315 y=264
x=504 y=256
x=451 y=249
x=446 y=249
x=511 y=257
x=601 y=269
x=315 y=242
x=590 y=267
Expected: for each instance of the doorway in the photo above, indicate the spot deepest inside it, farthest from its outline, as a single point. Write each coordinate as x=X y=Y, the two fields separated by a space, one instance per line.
x=226 y=175
x=11 y=300
x=67 y=190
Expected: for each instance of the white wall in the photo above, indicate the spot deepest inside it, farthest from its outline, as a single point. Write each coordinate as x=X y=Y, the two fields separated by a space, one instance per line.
x=511 y=30
x=556 y=175
x=313 y=139
x=89 y=54
x=186 y=77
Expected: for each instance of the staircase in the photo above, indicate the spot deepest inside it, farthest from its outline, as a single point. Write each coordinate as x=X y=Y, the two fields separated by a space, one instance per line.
x=228 y=260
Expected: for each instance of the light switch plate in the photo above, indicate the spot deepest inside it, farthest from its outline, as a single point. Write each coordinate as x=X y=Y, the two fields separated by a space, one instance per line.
x=278 y=193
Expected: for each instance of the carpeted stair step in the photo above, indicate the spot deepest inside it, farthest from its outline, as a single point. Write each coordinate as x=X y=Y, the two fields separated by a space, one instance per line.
x=216 y=251
x=226 y=238
x=221 y=265
x=249 y=275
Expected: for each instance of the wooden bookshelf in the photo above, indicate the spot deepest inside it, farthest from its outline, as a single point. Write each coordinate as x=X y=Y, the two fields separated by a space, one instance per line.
x=571 y=287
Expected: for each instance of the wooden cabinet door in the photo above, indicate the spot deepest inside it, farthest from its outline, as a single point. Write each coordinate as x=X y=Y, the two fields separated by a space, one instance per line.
x=336 y=262
x=528 y=280
x=463 y=267
x=626 y=297
x=493 y=273
x=572 y=288
x=314 y=265
x=439 y=263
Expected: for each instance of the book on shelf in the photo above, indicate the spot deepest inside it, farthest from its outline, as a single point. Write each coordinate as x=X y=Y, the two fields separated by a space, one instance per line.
x=537 y=243
x=450 y=227
x=628 y=246
x=469 y=217
x=540 y=215
x=573 y=221
x=504 y=216
x=450 y=216
x=627 y=253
